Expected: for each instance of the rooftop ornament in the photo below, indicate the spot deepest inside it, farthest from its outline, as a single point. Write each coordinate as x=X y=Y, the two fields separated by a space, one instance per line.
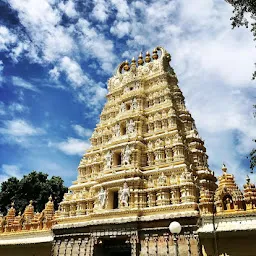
x=124 y=66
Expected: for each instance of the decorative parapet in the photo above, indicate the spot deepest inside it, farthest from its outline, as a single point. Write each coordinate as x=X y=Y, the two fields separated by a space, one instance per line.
x=29 y=221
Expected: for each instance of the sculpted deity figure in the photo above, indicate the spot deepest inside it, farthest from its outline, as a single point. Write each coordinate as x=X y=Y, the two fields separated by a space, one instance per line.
x=127 y=155
x=150 y=182
x=116 y=130
x=150 y=145
x=162 y=180
x=122 y=107
x=130 y=126
x=159 y=143
x=187 y=176
x=102 y=198
x=108 y=158
x=134 y=103
x=185 y=192
x=124 y=195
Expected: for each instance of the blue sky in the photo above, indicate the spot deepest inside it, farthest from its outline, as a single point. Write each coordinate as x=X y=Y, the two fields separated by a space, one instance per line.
x=56 y=57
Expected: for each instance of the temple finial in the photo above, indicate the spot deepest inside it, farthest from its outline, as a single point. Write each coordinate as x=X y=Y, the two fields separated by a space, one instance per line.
x=224 y=168
x=147 y=58
x=140 y=59
x=155 y=55
x=248 y=179
x=126 y=65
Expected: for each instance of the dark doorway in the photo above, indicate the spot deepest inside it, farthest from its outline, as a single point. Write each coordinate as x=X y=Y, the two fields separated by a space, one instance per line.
x=117 y=159
x=115 y=200
x=113 y=247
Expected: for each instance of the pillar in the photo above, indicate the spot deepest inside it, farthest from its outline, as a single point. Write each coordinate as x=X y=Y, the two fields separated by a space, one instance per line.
x=134 y=241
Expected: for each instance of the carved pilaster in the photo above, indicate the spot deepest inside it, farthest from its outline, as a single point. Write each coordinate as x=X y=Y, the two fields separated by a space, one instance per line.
x=65 y=247
x=71 y=246
x=155 y=239
x=79 y=242
x=199 y=249
x=151 y=199
x=188 y=238
x=134 y=241
x=83 y=247
x=166 y=239
x=147 y=243
x=53 y=247
x=90 y=246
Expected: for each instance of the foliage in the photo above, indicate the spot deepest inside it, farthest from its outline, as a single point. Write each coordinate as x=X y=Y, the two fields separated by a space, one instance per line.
x=253 y=152
x=35 y=186
x=244 y=14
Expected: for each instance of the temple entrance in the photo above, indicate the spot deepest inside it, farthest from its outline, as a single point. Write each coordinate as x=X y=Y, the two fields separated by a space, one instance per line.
x=112 y=247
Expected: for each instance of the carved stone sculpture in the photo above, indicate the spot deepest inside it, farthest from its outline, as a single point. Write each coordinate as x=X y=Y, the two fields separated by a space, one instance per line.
x=134 y=103
x=102 y=198
x=127 y=155
x=108 y=158
x=124 y=195
x=130 y=127
x=162 y=180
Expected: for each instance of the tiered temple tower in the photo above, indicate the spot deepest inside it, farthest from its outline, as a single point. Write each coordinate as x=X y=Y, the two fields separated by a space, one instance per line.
x=146 y=163
x=146 y=167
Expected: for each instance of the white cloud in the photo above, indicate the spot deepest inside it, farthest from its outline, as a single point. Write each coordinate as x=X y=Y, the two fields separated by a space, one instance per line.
x=7 y=38
x=17 y=107
x=100 y=10
x=120 y=28
x=49 y=41
x=54 y=73
x=96 y=45
x=18 y=81
x=12 y=108
x=71 y=146
x=12 y=170
x=8 y=171
x=19 y=128
x=81 y=131
x=73 y=72
x=68 y=8
x=122 y=9
x=57 y=43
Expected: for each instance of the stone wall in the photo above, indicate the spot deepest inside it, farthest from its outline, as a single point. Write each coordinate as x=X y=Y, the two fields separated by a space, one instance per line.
x=230 y=244
x=42 y=249
x=164 y=245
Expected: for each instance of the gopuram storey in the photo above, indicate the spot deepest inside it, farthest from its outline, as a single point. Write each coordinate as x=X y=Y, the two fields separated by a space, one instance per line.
x=146 y=167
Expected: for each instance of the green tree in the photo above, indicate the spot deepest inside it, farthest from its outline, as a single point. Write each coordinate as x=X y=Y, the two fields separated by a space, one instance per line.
x=253 y=152
x=35 y=186
x=244 y=14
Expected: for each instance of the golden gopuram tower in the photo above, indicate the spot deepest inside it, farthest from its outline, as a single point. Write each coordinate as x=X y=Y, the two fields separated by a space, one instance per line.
x=146 y=167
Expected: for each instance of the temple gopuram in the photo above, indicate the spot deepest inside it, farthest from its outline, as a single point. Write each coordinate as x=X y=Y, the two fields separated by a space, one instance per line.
x=146 y=167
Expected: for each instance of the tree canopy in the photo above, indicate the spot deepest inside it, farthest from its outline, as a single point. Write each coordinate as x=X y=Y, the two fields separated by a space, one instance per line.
x=35 y=186
x=244 y=14
x=253 y=152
